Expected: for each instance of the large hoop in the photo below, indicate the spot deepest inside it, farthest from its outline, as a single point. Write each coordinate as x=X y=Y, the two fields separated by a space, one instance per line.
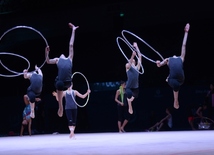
x=132 y=48
x=31 y=28
x=87 y=86
x=14 y=72
x=125 y=31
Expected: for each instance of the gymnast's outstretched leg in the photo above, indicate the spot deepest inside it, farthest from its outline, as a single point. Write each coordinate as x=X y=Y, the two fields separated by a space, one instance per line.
x=175 y=64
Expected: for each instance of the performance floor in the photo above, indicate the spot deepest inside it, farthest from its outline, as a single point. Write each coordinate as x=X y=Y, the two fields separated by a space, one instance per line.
x=199 y=142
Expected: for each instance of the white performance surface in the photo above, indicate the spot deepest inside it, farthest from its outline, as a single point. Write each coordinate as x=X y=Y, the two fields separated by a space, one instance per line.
x=129 y=143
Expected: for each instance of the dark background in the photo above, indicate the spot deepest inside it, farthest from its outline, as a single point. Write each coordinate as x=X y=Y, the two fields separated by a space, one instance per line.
x=98 y=57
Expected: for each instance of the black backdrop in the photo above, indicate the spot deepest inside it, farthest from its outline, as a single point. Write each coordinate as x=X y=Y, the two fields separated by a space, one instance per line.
x=96 y=53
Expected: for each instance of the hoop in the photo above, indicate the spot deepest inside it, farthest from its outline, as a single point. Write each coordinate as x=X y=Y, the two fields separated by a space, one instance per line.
x=144 y=43
x=31 y=28
x=87 y=86
x=132 y=48
x=205 y=125
x=14 y=72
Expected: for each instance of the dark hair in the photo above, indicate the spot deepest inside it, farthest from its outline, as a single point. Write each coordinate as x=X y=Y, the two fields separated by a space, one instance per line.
x=122 y=82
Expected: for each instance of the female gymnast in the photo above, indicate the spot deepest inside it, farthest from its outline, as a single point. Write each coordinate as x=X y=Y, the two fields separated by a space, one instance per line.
x=122 y=107
x=176 y=73
x=71 y=107
x=132 y=83
x=35 y=88
x=64 y=65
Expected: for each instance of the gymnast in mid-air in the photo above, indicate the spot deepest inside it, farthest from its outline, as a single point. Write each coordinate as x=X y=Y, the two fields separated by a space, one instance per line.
x=176 y=73
x=64 y=65
x=132 y=83
x=35 y=88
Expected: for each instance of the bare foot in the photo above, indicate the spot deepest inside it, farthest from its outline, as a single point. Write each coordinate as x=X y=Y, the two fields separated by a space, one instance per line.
x=72 y=26
x=122 y=130
x=72 y=135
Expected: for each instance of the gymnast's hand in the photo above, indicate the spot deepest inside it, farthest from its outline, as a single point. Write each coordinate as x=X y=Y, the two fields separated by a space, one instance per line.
x=54 y=93
x=36 y=68
x=158 y=63
x=89 y=91
x=47 y=50
x=134 y=53
x=25 y=71
x=135 y=44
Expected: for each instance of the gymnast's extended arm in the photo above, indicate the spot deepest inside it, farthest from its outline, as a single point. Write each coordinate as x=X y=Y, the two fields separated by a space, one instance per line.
x=162 y=63
x=139 y=55
x=26 y=74
x=48 y=60
x=38 y=70
x=82 y=95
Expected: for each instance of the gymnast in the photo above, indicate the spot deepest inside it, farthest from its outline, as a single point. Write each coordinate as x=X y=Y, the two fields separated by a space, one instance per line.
x=132 y=83
x=71 y=106
x=26 y=118
x=35 y=88
x=122 y=107
x=176 y=73
x=35 y=77
x=27 y=121
x=64 y=65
